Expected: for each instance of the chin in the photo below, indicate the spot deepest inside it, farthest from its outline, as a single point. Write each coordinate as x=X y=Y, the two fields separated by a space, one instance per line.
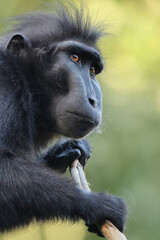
x=76 y=127
x=78 y=130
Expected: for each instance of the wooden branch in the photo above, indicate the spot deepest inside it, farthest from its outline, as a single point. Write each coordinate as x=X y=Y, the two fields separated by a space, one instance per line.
x=108 y=230
x=78 y=176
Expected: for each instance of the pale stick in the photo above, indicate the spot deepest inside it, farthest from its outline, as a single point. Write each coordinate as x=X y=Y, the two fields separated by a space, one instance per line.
x=108 y=230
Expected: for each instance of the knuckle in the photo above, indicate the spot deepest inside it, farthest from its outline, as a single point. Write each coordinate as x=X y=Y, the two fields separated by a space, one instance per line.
x=78 y=152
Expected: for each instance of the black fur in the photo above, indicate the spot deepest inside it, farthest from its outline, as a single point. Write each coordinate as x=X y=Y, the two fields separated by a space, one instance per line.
x=43 y=94
x=63 y=25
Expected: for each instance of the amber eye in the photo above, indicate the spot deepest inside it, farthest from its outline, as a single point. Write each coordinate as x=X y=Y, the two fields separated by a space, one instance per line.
x=75 y=58
x=92 y=71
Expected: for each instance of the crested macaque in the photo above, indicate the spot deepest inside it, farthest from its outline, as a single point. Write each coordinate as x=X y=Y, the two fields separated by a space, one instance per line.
x=48 y=90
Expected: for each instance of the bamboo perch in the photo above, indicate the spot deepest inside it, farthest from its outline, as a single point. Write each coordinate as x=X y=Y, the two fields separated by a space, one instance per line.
x=108 y=230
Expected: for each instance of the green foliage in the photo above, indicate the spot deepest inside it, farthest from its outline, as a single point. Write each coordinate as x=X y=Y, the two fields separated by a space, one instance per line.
x=126 y=157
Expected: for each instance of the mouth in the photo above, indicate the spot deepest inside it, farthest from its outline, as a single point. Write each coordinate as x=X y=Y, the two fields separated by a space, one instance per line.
x=83 y=118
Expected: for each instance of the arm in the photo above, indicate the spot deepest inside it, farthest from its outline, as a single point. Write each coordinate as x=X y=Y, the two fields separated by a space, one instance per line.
x=28 y=191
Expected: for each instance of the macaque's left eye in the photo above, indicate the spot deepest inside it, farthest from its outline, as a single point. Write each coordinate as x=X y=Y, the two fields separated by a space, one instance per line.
x=92 y=71
x=75 y=58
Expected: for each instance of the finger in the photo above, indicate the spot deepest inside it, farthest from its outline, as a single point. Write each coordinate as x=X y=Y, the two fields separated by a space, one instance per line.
x=82 y=159
x=69 y=155
x=86 y=148
x=94 y=229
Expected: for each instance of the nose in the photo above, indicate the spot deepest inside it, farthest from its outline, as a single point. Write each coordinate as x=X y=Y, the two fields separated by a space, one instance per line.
x=92 y=101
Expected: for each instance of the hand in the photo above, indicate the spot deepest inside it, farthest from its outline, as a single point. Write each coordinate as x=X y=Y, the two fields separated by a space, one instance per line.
x=108 y=208
x=60 y=156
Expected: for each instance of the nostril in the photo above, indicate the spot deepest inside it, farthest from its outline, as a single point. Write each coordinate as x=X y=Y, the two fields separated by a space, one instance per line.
x=92 y=102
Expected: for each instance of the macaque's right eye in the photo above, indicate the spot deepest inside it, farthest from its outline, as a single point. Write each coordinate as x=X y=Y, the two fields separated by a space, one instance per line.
x=75 y=58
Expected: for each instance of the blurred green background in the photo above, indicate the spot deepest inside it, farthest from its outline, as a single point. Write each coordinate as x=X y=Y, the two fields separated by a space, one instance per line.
x=126 y=156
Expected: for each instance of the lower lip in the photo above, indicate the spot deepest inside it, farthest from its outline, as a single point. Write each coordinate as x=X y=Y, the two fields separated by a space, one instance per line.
x=82 y=118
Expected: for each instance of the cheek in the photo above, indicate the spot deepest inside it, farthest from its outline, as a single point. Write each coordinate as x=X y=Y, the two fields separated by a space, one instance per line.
x=61 y=81
x=57 y=77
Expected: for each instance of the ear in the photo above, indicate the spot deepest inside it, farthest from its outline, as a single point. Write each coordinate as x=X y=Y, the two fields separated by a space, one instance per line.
x=18 y=42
